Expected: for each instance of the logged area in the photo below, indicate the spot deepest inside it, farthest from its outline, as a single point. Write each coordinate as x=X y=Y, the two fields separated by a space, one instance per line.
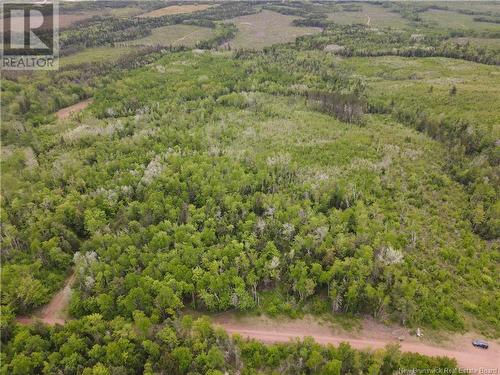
x=176 y=35
x=367 y=14
x=265 y=29
x=255 y=188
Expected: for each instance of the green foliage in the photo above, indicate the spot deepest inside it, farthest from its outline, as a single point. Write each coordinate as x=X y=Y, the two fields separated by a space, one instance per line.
x=106 y=30
x=180 y=218
x=362 y=40
x=95 y=346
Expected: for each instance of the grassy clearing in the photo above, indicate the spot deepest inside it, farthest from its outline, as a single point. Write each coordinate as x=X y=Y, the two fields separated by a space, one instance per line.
x=125 y=12
x=176 y=9
x=410 y=81
x=326 y=149
x=266 y=28
x=484 y=6
x=373 y=15
x=175 y=35
x=454 y=20
x=97 y=54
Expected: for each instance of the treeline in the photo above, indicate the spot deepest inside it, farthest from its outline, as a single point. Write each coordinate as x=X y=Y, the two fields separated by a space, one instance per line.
x=316 y=20
x=487 y=19
x=82 y=6
x=223 y=33
x=346 y=107
x=360 y=40
x=423 y=7
x=287 y=10
x=296 y=8
x=452 y=50
x=94 y=346
x=412 y=11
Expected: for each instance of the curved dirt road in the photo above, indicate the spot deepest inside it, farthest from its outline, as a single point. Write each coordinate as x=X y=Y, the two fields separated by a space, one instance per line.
x=54 y=312
x=66 y=112
x=371 y=336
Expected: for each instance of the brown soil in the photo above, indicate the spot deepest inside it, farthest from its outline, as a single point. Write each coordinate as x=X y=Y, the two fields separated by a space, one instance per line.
x=64 y=113
x=372 y=335
x=55 y=311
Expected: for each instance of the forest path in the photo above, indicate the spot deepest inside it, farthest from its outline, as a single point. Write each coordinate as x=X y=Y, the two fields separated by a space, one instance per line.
x=55 y=311
x=64 y=113
x=185 y=36
x=372 y=335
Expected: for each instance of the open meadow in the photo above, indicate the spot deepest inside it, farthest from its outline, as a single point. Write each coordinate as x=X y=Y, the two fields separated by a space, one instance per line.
x=370 y=15
x=95 y=55
x=453 y=20
x=266 y=28
x=175 y=35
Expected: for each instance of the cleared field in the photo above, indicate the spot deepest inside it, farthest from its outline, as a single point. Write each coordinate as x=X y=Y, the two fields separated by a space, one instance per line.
x=372 y=15
x=266 y=28
x=176 y=9
x=97 y=54
x=175 y=35
x=124 y=12
x=426 y=83
x=454 y=20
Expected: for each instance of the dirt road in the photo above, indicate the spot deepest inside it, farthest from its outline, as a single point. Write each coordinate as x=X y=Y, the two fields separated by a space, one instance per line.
x=55 y=311
x=371 y=336
x=64 y=113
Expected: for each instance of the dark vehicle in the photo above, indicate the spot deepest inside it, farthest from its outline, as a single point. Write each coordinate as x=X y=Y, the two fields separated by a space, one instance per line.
x=480 y=344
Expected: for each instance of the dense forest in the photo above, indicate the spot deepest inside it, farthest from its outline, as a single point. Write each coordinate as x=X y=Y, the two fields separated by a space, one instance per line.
x=295 y=179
